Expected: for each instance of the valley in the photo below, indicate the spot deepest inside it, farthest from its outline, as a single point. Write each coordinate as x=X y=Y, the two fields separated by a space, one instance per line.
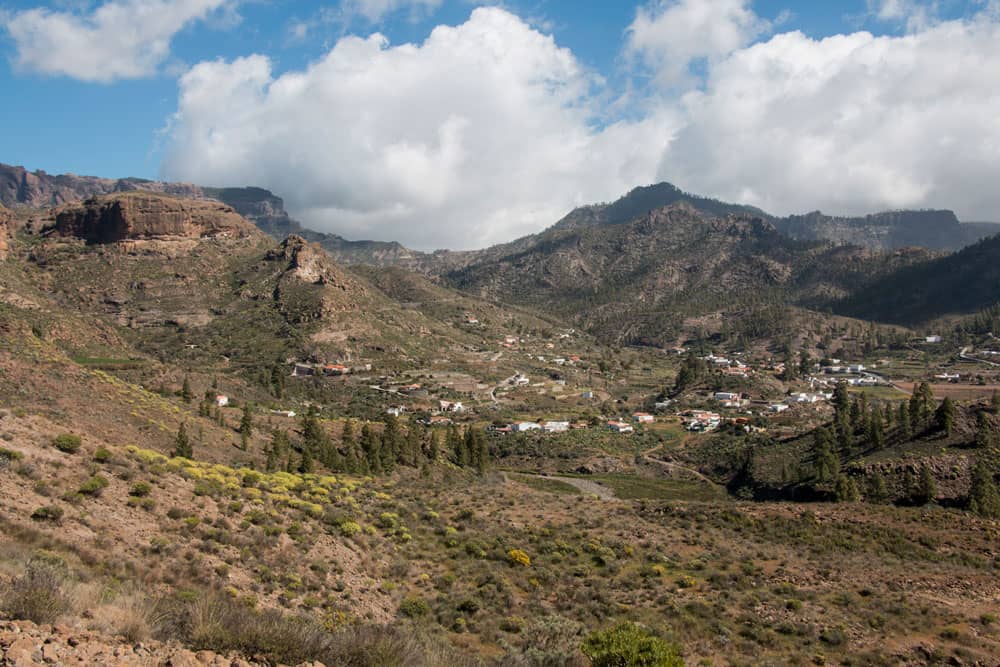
x=747 y=439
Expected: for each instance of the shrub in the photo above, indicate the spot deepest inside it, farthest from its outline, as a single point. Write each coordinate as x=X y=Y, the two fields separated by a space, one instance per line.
x=48 y=513
x=67 y=443
x=349 y=528
x=102 y=455
x=628 y=645
x=8 y=455
x=39 y=595
x=93 y=486
x=414 y=607
x=518 y=557
x=140 y=489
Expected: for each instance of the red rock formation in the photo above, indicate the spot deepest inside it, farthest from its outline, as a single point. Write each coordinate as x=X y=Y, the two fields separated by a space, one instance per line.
x=143 y=215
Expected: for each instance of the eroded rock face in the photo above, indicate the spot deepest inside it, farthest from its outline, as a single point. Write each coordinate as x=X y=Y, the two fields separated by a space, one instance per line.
x=6 y=223
x=137 y=216
x=37 y=189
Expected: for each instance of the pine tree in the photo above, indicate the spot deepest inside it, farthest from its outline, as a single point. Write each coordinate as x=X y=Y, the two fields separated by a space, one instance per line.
x=846 y=490
x=246 y=421
x=905 y=425
x=456 y=445
x=277 y=381
x=277 y=448
x=825 y=462
x=371 y=447
x=182 y=444
x=926 y=488
x=878 y=492
x=984 y=499
x=306 y=465
x=186 y=394
x=944 y=416
x=392 y=443
x=876 y=431
x=985 y=435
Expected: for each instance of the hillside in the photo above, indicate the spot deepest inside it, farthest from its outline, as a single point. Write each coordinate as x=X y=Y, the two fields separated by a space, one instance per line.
x=959 y=284
x=644 y=280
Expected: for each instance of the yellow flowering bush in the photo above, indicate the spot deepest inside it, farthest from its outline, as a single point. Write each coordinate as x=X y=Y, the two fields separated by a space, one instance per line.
x=518 y=557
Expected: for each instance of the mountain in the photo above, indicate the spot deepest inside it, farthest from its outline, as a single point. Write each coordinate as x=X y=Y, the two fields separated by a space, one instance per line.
x=640 y=201
x=935 y=230
x=961 y=283
x=892 y=230
x=646 y=280
x=267 y=211
x=20 y=187
x=38 y=189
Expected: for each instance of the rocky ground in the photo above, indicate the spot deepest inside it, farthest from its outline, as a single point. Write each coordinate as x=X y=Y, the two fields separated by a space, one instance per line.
x=24 y=644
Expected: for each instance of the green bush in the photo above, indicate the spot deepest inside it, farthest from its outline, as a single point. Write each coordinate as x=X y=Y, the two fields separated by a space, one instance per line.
x=67 y=443
x=48 y=513
x=10 y=455
x=102 y=455
x=140 y=489
x=93 y=486
x=414 y=607
x=628 y=645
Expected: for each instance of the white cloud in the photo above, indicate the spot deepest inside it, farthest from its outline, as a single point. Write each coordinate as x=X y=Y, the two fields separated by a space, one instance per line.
x=121 y=39
x=374 y=10
x=489 y=130
x=482 y=133
x=915 y=15
x=667 y=36
x=850 y=123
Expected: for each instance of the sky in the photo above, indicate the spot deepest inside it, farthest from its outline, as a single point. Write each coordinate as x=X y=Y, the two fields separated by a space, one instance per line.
x=459 y=124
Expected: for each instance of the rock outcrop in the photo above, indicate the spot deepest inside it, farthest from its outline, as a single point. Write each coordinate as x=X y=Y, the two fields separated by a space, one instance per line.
x=37 y=189
x=24 y=643
x=6 y=220
x=138 y=216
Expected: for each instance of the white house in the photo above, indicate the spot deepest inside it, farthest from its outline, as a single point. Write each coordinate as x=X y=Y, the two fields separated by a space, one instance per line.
x=726 y=396
x=221 y=400
x=283 y=413
x=396 y=411
x=777 y=407
x=522 y=427
x=451 y=406
x=587 y=394
x=555 y=427
x=620 y=427
x=643 y=418
x=932 y=339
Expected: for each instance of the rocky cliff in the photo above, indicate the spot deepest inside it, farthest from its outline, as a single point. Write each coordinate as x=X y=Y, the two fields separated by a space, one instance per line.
x=38 y=189
x=144 y=215
x=5 y=230
x=935 y=230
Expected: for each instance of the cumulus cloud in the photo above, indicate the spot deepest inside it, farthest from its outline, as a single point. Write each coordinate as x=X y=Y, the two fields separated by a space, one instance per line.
x=850 y=123
x=668 y=36
x=489 y=130
x=121 y=39
x=483 y=132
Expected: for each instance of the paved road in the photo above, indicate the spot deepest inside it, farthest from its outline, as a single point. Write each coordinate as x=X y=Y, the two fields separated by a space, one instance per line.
x=964 y=354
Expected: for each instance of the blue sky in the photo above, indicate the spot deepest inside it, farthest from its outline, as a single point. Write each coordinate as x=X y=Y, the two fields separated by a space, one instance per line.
x=638 y=96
